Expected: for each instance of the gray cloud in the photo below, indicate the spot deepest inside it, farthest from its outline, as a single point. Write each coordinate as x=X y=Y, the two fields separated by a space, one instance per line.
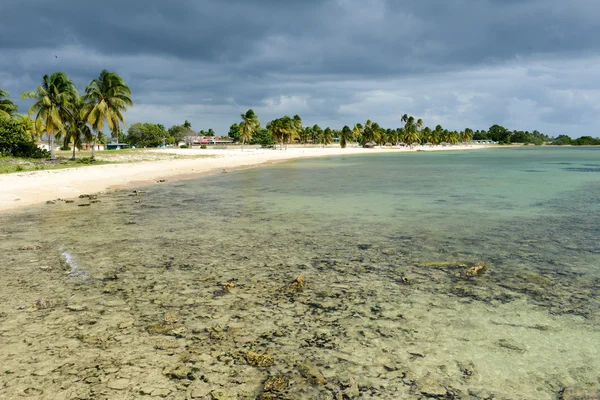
x=528 y=64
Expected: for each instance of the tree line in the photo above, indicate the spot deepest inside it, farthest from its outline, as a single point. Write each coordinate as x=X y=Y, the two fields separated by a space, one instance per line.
x=59 y=111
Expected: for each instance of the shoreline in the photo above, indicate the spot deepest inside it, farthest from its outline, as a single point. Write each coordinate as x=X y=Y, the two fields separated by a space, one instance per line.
x=20 y=190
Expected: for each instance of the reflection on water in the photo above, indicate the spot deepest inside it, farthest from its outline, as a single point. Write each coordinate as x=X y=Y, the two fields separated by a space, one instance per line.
x=184 y=290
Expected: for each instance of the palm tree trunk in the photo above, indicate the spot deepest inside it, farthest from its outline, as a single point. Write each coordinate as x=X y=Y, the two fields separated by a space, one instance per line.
x=243 y=144
x=51 y=145
x=94 y=147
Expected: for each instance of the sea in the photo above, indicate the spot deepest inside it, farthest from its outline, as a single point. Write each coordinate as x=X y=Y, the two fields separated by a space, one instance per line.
x=451 y=275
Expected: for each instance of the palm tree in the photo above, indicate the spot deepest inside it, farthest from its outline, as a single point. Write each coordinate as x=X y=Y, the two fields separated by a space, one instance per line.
x=284 y=129
x=7 y=107
x=53 y=98
x=305 y=134
x=426 y=135
x=317 y=132
x=76 y=126
x=368 y=133
x=357 y=132
x=106 y=98
x=346 y=135
x=326 y=137
x=248 y=126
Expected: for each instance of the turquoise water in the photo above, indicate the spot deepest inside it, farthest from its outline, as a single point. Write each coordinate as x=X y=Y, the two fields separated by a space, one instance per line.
x=383 y=242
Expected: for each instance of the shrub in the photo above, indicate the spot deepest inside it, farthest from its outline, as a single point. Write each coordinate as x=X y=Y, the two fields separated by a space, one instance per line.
x=65 y=148
x=184 y=146
x=203 y=146
x=85 y=160
x=14 y=141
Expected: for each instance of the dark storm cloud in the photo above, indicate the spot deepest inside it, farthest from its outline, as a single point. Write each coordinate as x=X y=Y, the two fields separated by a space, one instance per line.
x=454 y=62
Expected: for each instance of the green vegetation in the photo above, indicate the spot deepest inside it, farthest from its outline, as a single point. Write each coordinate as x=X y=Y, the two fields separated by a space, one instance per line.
x=150 y=135
x=15 y=141
x=106 y=98
x=248 y=126
x=7 y=107
x=564 y=140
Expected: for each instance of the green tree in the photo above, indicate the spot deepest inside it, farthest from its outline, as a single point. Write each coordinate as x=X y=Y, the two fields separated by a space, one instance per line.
x=248 y=126
x=346 y=135
x=234 y=132
x=305 y=134
x=53 y=98
x=562 y=140
x=7 y=107
x=263 y=137
x=107 y=98
x=210 y=132
x=499 y=134
x=16 y=141
x=316 y=134
x=76 y=127
x=146 y=135
x=326 y=137
x=285 y=129
x=179 y=133
x=187 y=124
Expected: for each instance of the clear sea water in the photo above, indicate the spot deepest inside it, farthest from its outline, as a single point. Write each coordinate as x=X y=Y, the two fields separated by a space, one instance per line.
x=383 y=242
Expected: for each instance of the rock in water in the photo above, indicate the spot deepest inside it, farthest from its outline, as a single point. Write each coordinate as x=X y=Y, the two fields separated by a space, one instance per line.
x=312 y=374
x=430 y=387
x=298 y=283
x=574 y=393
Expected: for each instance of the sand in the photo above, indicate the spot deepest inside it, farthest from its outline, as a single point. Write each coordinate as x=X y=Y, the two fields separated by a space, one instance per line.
x=19 y=190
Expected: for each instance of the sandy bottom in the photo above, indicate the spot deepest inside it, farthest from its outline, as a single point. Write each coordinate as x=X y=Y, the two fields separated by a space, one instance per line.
x=23 y=189
x=134 y=298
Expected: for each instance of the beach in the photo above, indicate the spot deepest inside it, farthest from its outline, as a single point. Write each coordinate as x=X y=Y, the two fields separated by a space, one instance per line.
x=24 y=189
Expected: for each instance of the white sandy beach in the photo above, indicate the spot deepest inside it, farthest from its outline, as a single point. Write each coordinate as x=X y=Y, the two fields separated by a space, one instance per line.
x=19 y=190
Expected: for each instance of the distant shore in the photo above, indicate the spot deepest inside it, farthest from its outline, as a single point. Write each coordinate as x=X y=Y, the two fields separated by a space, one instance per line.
x=25 y=189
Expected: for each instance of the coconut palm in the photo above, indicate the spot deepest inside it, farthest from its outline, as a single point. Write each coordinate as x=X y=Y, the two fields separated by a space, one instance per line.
x=357 y=132
x=317 y=132
x=7 y=107
x=326 y=137
x=76 y=127
x=284 y=129
x=248 y=126
x=346 y=135
x=53 y=98
x=106 y=98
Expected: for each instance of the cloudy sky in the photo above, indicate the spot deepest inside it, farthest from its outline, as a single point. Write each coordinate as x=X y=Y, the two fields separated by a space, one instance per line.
x=525 y=64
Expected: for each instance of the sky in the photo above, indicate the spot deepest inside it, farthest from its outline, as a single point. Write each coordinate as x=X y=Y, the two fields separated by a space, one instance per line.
x=523 y=64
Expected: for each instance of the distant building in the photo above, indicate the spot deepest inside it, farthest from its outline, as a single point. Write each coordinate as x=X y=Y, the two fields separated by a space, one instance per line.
x=43 y=145
x=117 y=146
x=88 y=146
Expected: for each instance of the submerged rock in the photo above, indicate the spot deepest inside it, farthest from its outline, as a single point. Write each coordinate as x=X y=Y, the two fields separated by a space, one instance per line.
x=259 y=360
x=476 y=269
x=299 y=283
x=312 y=373
x=430 y=387
x=575 y=393
x=350 y=390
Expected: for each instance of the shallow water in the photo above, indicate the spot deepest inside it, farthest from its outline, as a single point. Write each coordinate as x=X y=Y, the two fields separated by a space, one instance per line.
x=125 y=298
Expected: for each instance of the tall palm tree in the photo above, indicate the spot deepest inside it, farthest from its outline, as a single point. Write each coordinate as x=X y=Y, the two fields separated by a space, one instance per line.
x=357 y=132
x=346 y=135
x=7 y=107
x=248 y=126
x=317 y=132
x=284 y=129
x=326 y=137
x=106 y=98
x=76 y=127
x=52 y=100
